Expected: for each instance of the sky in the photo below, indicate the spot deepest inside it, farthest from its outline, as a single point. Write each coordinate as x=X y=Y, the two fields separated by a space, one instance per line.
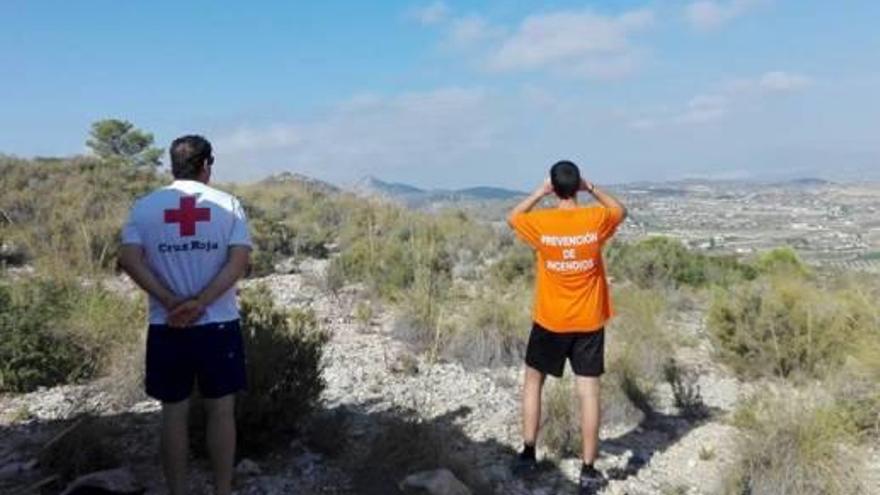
x=454 y=93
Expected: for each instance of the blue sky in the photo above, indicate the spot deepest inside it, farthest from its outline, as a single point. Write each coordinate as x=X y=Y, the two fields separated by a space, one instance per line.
x=457 y=93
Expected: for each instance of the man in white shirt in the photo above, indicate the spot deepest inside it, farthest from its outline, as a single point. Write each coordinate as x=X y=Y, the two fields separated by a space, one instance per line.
x=187 y=245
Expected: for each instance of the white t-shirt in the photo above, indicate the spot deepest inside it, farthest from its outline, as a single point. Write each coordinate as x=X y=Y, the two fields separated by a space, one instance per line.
x=185 y=230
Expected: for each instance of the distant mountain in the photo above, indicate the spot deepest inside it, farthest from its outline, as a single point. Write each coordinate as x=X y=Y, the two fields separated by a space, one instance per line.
x=488 y=192
x=310 y=182
x=808 y=182
x=373 y=186
x=417 y=197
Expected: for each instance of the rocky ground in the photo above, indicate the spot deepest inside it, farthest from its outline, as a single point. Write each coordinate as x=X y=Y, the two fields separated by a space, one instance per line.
x=374 y=383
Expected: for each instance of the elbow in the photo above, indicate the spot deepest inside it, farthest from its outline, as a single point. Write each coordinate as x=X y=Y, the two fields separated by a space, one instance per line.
x=244 y=270
x=124 y=261
x=511 y=218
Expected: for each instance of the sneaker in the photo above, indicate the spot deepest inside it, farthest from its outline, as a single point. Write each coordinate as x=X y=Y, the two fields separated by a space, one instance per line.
x=591 y=482
x=524 y=465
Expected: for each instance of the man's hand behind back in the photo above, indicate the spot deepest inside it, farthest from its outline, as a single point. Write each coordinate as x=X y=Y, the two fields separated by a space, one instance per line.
x=186 y=313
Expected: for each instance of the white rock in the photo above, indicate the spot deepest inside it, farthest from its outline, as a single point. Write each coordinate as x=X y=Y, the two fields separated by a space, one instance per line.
x=247 y=467
x=438 y=482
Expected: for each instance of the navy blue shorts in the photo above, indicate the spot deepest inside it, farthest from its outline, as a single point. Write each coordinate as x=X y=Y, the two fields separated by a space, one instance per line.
x=211 y=355
x=547 y=351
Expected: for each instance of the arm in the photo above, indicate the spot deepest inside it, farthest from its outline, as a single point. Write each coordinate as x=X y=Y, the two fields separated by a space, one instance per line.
x=605 y=199
x=131 y=261
x=533 y=199
x=235 y=268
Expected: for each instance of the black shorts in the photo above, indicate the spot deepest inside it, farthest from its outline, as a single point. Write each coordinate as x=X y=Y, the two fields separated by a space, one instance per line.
x=211 y=355
x=547 y=351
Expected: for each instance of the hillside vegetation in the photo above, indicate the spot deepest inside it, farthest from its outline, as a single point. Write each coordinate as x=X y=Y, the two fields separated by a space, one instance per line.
x=461 y=292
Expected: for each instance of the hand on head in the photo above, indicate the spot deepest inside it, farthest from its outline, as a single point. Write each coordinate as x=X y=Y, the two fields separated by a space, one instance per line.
x=586 y=186
x=546 y=187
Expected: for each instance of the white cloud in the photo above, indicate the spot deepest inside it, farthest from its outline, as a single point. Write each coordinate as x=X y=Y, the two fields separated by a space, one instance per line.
x=580 y=43
x=272 y=137
x=768 y=83
x=708 y=15
x=467 y=31
x=643 y=123
x=434 y=13
x=702 y=109
x=387 y=136
x=726 y=98
x=779 y=81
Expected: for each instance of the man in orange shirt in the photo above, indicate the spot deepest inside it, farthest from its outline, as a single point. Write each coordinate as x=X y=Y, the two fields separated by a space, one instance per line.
x=571 y=306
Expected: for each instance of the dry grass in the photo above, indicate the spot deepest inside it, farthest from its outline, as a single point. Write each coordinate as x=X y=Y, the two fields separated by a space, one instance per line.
x=560 y=425
x=492 y=329
x=789 y=326
x=639 y=346
x=796 y=444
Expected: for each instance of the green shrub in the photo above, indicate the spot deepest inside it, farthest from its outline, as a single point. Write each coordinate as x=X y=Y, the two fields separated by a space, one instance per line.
x=787 y=326
x=665 y=262
x=284 y=351
x=32 y=352
x=517 y=264
x=782 y=260
x=56 y=331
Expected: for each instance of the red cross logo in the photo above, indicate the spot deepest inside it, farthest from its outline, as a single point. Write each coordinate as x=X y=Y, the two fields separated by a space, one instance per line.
x=187 y=216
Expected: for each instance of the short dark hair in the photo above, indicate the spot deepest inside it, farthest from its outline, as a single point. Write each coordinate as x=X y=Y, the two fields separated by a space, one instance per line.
x=566 y=179
x=188 y=155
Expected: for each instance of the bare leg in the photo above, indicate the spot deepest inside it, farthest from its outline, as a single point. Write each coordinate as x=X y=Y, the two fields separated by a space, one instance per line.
x=221 y=441
x=531 y=404
x=588 y=389
x=175 y=445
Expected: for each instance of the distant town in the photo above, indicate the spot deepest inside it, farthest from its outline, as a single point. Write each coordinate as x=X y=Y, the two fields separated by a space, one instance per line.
x=828 y=223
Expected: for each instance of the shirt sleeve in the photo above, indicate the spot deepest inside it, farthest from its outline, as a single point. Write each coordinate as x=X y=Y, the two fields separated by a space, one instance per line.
x=524 y=226
x=241 y=235
x=609 y=220
x=130 y=232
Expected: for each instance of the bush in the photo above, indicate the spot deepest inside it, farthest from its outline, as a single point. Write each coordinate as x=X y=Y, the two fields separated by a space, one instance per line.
x=49 y=325
x=638 y=347
x=786 y=325
x=665 y=262
x=284 y=350
x=517 y=265
x=561 y=427
x=796 y=445
x=781 y=260
x=67 y=214
x=685 y=391
x=494 y=328
x=32 y=352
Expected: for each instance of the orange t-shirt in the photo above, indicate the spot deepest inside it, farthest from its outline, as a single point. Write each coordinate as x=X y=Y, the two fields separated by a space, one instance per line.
x=571 y=292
